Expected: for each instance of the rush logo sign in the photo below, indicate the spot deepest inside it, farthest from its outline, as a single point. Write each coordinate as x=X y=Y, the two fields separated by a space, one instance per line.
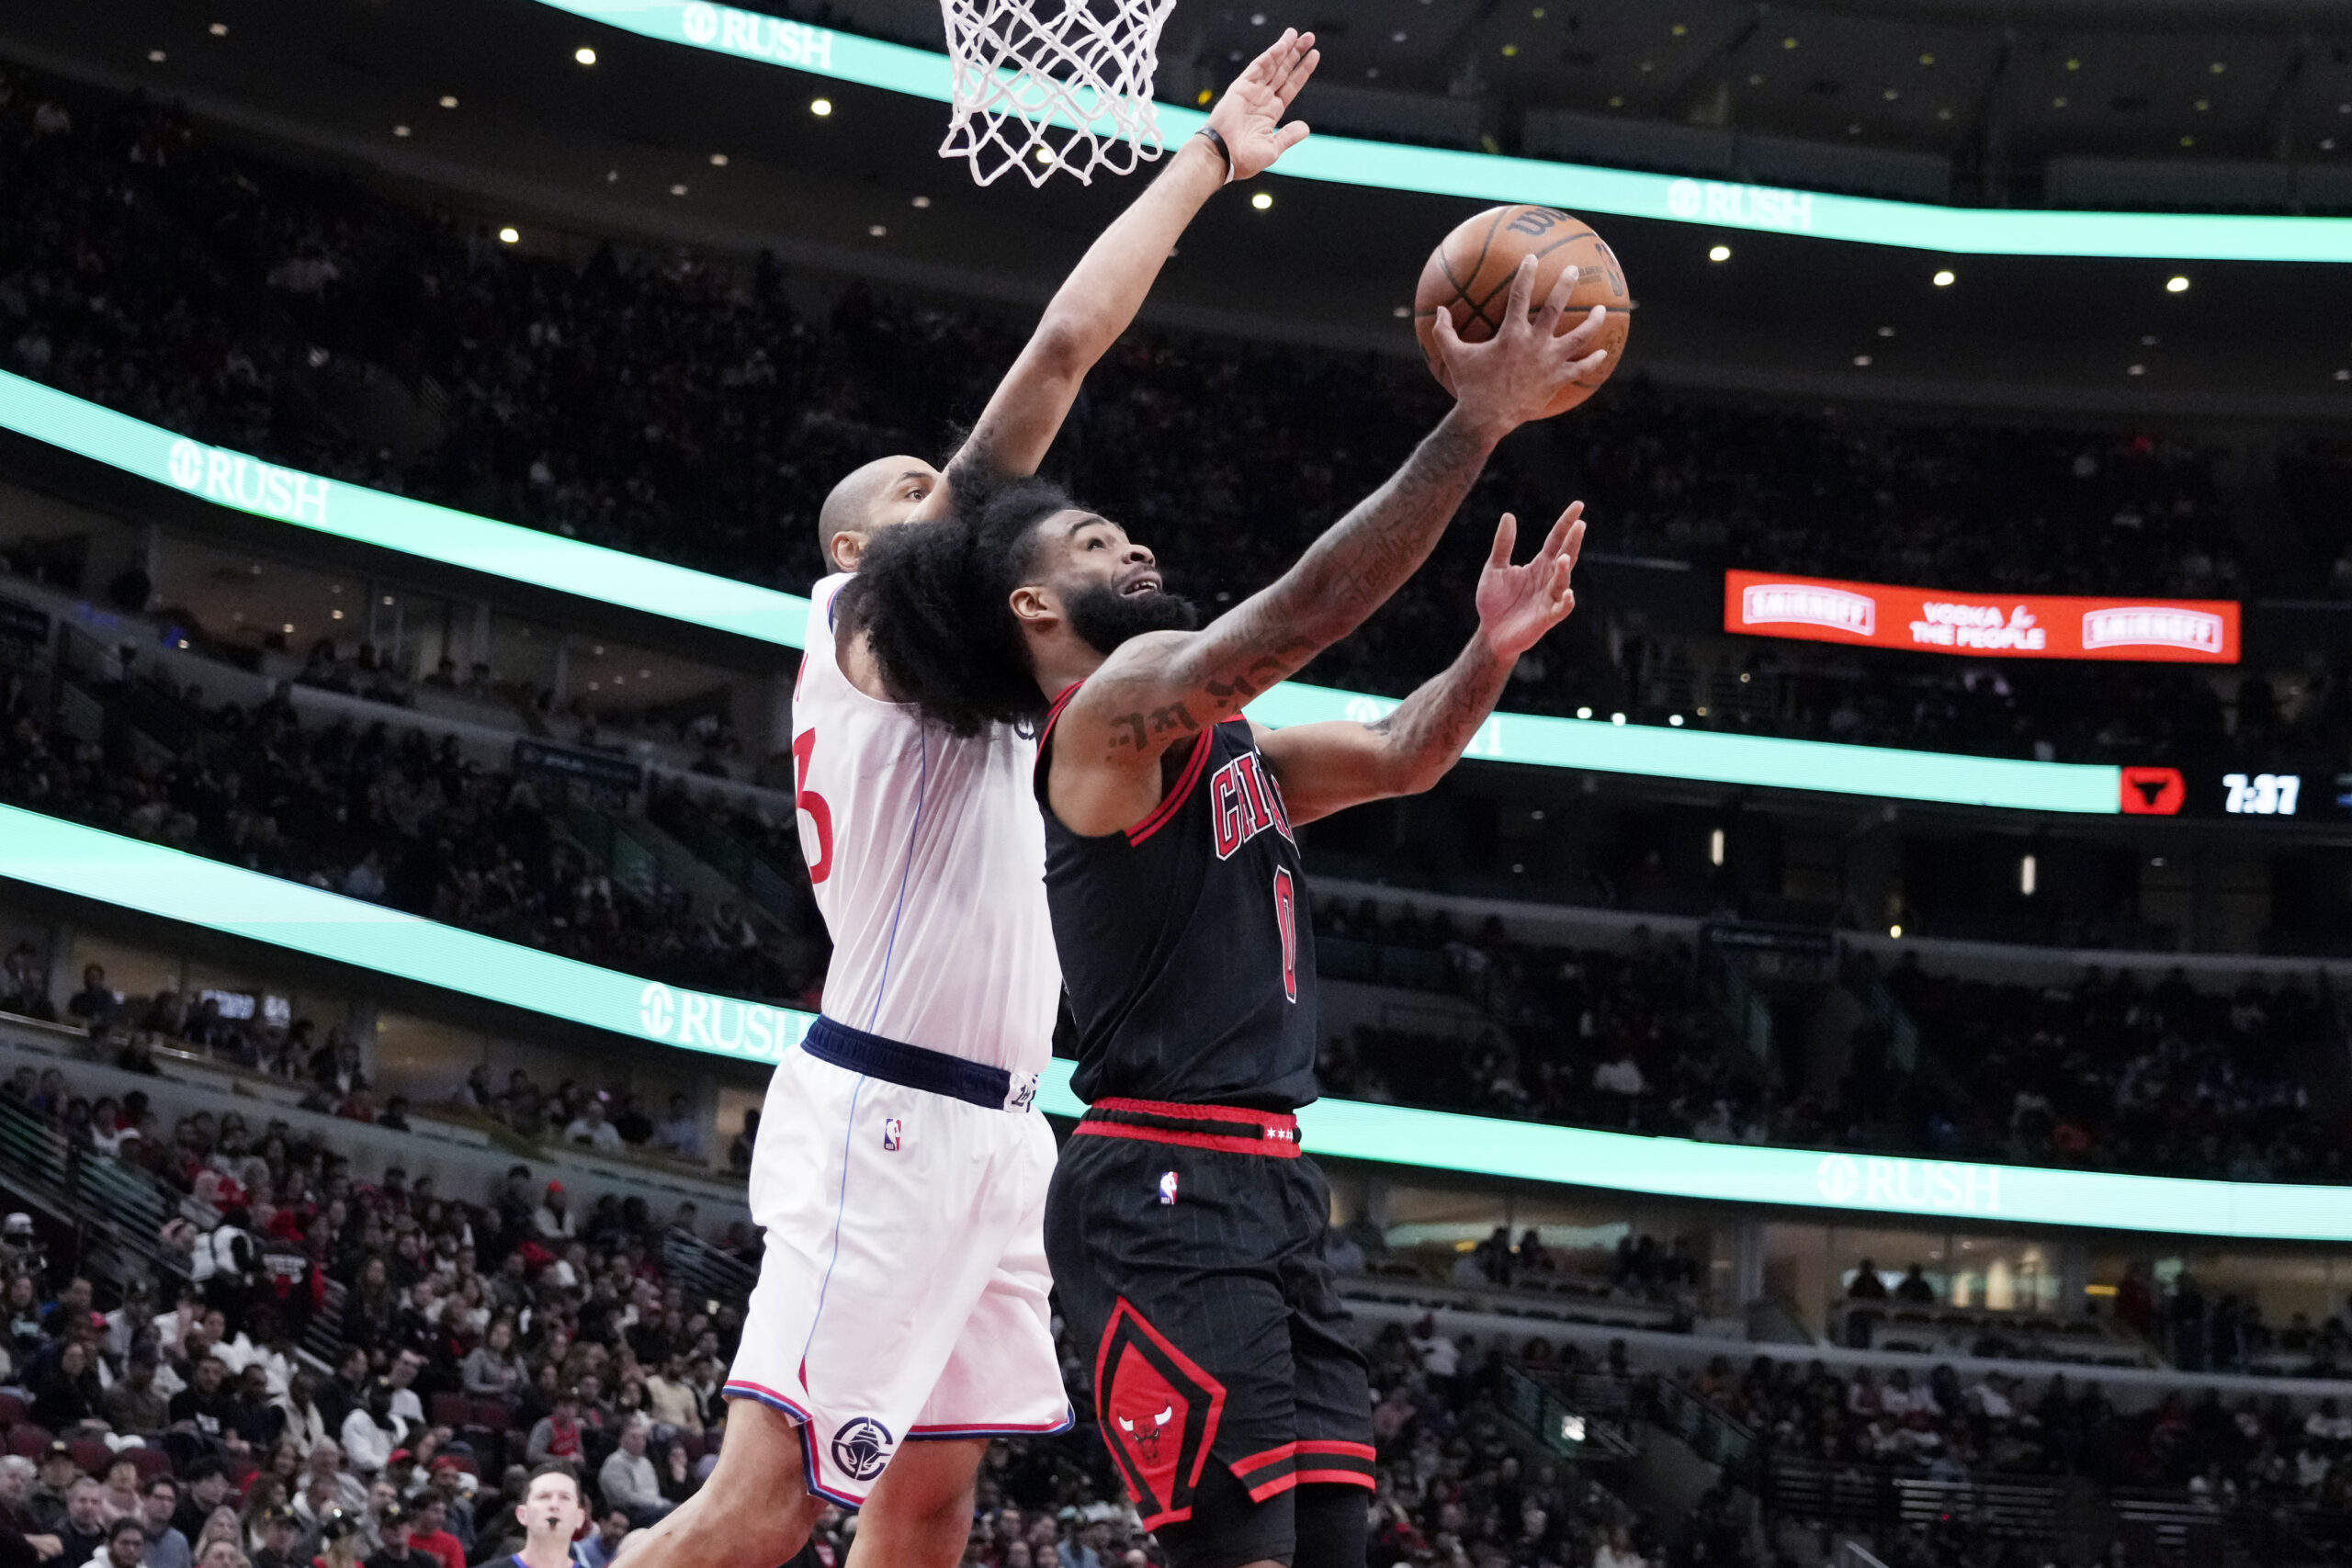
x=1243 y=803
x=1978 y=626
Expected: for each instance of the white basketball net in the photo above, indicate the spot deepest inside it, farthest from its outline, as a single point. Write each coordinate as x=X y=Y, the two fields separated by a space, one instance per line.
x=1047 y=85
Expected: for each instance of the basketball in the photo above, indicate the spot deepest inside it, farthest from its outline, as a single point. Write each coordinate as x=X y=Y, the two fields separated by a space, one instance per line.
x=1469 y=273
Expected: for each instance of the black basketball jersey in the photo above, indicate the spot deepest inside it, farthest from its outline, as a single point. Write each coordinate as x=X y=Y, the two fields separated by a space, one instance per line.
x=1185 y=944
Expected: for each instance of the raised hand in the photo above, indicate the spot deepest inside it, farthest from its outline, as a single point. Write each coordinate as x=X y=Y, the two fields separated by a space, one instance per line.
x=1517 y=604
x=1250 y=114
x=1512 y=376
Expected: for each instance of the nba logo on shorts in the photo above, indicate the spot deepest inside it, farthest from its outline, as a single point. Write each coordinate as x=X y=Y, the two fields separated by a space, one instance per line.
x=894 y=1133
x=1168 y=1188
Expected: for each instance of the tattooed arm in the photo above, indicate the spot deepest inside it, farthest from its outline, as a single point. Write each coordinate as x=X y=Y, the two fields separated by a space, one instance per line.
x=1163 y=687
x=1325 y=768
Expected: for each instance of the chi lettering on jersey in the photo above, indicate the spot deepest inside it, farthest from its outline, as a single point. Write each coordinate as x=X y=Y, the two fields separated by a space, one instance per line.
x=1244 y=801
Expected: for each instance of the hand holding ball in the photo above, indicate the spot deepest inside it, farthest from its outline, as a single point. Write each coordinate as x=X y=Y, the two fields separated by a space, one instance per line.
x=1469 y=276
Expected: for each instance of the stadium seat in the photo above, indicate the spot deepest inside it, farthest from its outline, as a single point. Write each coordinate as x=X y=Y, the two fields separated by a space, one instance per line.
x=12 y=1410
x=452 y=1410
x=29 y=1439
x=151 y=1462
x=493 y=1414
x=92 y=1455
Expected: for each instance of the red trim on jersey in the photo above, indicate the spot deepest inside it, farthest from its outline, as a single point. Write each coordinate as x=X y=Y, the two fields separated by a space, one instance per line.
x=1273 y=1148
x=1332 y=1478
x=1184 y=782
x=1276 y=1121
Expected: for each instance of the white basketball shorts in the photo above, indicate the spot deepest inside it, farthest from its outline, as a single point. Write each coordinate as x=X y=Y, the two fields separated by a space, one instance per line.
x=903 y=1292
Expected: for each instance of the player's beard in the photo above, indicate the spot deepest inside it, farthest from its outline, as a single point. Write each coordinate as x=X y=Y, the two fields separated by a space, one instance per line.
x=1104 y=617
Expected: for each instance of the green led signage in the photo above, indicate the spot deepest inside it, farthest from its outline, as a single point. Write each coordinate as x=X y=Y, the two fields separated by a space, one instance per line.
x=134 y=875
x=1433 y=170
x=694 y=598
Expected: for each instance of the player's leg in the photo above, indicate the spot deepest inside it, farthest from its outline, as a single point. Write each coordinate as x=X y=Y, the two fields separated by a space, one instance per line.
x=1003 y=1378
x=754 y=1512
x=1332 y=1389
x=1172 y=1284
x=920 y=1513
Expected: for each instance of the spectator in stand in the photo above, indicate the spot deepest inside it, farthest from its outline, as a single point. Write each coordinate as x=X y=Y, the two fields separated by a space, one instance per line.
x=94 y=1005
x=601 y=1548
x=739 y=1152
x=1913 y=1288
x=125 y=1547
x=553 y=1220
x=591 y=1128
x=83 y=1533
x=431 y=1535
x=165 y=1546
x=682 y=1132
x=69 y=1396
x=627 y=1480
x=134 y=1404
x=557 y=1437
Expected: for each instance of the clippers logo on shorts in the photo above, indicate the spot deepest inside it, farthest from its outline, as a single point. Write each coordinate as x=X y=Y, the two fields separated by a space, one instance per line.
x=1168 y=1188
x=894 y=1134
x=1244 y=801
x=1158 y=1412
x=861 y=1448
x=1024 y=1092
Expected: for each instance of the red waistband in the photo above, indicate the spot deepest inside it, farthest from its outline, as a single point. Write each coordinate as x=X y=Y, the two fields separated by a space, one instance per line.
x=1229 y=1129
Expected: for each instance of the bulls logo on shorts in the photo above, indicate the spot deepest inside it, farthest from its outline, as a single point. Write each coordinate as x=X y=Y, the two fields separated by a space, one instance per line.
x=861 y=1448
x=1159 y=1414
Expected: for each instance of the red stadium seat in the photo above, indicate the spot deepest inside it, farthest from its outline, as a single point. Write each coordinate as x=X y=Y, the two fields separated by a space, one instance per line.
x=92 y=1455
x=493 y=1414
x=451 y=1410
x=12 y=1410
x=692 y=1443
x=29 y=1439
x=151 y=1462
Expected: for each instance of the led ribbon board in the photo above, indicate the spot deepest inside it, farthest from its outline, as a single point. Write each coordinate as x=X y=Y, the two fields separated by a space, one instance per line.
x=134 y=875
x=1433 y=170
x=610 y=577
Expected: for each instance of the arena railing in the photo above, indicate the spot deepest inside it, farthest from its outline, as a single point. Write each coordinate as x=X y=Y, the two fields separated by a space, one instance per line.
x=129 y=873
x=847 y=57
x=545 y=562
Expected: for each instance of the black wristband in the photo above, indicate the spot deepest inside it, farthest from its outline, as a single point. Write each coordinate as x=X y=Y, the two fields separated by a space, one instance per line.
x=1217 y=142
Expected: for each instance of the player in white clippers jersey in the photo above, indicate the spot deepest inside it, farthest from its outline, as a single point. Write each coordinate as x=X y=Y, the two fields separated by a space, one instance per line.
x=901 y=1318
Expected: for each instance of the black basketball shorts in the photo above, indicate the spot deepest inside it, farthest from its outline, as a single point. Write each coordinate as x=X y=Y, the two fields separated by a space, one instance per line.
x=1188 y=1249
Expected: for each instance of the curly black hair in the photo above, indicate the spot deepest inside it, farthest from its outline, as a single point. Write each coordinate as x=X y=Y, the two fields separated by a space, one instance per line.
x=931 y=599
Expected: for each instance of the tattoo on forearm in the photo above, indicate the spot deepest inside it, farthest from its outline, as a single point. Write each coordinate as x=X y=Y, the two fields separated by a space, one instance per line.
x=1430 y=728
x=1349 y=572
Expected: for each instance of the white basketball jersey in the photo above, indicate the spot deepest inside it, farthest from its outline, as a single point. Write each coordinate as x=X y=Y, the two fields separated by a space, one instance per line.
x=928 y=859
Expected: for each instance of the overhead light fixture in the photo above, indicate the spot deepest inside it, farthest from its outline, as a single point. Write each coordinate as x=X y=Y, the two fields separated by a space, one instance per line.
x=677 y=190
x=400 y=131
x=820 y=108
x=921 y=201
x=1886 y=332
x=1719 y=253
x=2136 y=370
x=877 y=231
x=1402 y=312
x=219 y=29
x=448 y=100
x=510 y=234
x=155 y=57
x=1945 y=278
x=585 y=55
x=1263 y=200
x=2176 y=284
x=719 y=160
x=1862 y=361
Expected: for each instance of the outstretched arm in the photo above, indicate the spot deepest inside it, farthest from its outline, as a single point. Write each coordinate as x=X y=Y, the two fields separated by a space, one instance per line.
x=1160 y=688
x=1325 y=768
x=1100 y=298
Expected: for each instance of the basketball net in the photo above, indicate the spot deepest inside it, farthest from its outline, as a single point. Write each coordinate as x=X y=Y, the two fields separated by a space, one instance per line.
x=1046 y=85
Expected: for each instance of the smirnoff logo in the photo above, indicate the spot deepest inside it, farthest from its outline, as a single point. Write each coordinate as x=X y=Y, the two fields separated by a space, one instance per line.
x=1808 y=605
x=2153 y=625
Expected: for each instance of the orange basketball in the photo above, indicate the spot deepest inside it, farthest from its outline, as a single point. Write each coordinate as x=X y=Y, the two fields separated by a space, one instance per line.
x=1469 y=273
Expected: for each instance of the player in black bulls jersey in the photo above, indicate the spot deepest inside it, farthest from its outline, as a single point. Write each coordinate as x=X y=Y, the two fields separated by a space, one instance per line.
x=1186 y=1232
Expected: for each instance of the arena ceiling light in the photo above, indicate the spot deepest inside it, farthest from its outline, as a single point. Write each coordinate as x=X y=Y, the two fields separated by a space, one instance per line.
x=131 y=874
x=549 y=562
x=1435 y=171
